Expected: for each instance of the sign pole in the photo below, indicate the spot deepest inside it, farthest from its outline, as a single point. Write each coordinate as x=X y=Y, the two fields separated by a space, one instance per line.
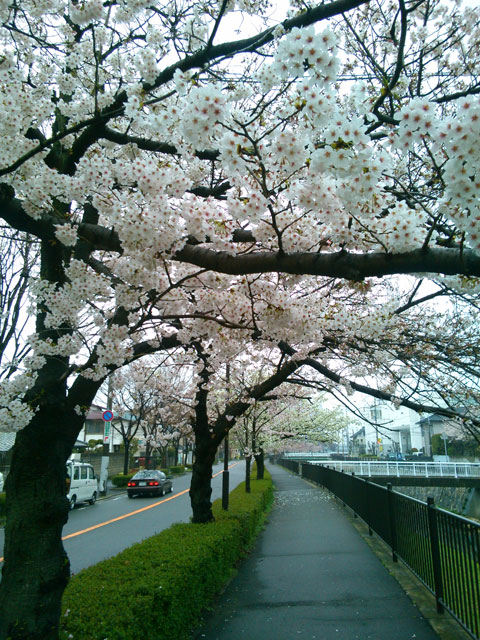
x=107 y=434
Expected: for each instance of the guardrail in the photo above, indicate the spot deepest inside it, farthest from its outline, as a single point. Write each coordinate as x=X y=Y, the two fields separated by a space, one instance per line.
x=440 y=548
x=306 y=455
x=410 y=469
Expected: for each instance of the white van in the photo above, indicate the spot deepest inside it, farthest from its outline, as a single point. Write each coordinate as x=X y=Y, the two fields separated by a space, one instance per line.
x=81 y=483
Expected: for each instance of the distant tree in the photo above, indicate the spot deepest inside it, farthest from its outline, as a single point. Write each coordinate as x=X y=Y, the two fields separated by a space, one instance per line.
x=151 y=397
x=18 y=260
x=130 y=407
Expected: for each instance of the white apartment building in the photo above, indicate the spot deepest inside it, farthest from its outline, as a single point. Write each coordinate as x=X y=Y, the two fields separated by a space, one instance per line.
x=391 y=430
x=400 y=431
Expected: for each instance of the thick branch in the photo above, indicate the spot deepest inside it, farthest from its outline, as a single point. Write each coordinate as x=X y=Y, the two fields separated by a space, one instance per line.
x=153 y=145
x=11 y=210
x=342 y=264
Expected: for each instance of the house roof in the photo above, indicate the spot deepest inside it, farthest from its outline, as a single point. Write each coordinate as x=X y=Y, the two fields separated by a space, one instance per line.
x=434 y=417
x=95 y=413
x=359 y=433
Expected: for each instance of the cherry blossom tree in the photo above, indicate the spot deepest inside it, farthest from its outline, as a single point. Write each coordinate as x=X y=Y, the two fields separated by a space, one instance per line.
x=289 y=412
x=169 y=414
x=247 y=436
x=131 y=398
x=219 y=403
x=307 y=421
x=207 y=174
x=415 y=356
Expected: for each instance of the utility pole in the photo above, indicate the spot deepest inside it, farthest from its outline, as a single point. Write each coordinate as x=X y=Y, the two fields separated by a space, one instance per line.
x=107 y=437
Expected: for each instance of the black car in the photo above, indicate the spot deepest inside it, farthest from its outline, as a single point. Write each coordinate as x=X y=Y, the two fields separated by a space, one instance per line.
x=149 y=482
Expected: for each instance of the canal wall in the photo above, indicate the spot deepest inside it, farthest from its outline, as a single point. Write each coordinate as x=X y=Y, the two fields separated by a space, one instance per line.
x=462 y=500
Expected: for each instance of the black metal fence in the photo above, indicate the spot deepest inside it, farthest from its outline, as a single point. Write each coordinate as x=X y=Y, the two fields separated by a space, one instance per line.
x=439 y=547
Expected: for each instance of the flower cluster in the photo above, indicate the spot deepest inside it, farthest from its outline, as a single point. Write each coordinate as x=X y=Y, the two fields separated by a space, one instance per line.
x=67 y=234
x=86 y=11
x=146 y=63
x=114 y=347
x=302 y=51
x=205 y=108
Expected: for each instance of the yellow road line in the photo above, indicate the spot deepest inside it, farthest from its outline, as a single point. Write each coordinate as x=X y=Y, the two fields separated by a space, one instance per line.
x=132 y=513
x=125 y=515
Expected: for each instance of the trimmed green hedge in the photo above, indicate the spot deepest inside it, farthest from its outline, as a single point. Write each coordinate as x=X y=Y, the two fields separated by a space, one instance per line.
x=120 y=480
x=2 y=503
x=177 y=470
x=158 y=588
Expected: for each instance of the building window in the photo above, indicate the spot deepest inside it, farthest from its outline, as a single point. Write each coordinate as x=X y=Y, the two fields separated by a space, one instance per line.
x=92 y=427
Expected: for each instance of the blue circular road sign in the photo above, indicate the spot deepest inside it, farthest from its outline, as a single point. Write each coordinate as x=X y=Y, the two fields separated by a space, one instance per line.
x=107 y=416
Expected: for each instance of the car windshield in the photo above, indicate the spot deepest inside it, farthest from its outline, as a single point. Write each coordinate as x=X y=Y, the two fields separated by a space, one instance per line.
x=146 y=474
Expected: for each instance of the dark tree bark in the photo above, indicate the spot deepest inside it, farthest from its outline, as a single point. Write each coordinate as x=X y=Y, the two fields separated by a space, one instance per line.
x=201 y=483
x=164 y=458
x=126 y=456
x=206 y=445
x=127 y=431
x=260 y=460
x=148 y=455
x=248 y=464
x=36 y=567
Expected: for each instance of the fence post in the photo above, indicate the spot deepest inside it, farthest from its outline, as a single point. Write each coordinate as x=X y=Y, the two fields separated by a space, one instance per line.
x=367 y=505
x=435 y=546
x=391 y=522
x=354 y=511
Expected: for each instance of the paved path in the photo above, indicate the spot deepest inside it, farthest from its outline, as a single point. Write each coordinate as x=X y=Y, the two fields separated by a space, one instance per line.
x=311 y=575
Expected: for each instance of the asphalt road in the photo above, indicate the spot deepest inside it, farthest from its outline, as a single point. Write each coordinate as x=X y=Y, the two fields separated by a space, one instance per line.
x=114 y=523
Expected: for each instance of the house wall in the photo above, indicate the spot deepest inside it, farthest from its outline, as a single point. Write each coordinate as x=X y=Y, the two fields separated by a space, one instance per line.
x=115 y=464
x=398 y=430
x=93 y=429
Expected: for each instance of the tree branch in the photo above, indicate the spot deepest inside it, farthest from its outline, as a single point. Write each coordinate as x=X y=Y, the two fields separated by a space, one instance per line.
x=341 y=264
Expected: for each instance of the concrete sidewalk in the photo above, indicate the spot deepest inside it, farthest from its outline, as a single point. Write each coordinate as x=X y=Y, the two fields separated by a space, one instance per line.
x=311 y=575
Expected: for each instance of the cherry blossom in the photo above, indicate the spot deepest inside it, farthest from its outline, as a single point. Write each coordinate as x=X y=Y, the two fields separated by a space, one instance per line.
x=247 y=196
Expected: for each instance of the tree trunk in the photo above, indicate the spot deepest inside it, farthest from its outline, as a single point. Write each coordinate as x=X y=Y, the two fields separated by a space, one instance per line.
x=260 y=460
x=148 y=455
x=248 y=461
x=36 y=569
x=185 y=452
x=126 y=457
x=201 y=483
